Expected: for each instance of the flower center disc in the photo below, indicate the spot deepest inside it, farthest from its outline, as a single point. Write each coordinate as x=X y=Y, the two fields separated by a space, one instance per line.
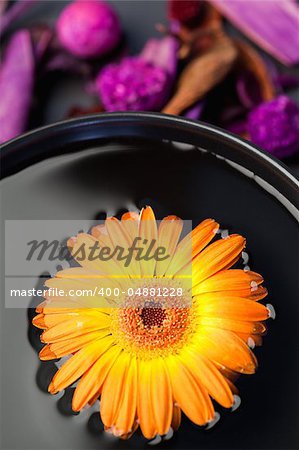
x=152 y=316
x=149 y=326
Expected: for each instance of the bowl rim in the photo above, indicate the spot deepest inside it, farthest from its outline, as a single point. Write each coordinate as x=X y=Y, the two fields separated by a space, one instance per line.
x=14 y=154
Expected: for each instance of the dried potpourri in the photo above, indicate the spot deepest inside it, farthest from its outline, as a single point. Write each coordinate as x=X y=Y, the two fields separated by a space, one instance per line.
x=198 y=69
x=274 y=126
x=88 y=28
x=140 y=83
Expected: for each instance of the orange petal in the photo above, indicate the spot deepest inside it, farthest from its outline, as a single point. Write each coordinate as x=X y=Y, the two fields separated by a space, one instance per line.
x=126 y=414
x=169 y=232
x=236 y=308
x=144 y=401
x=101 y=234
x=81 y=250
x=117 y=232
x=225 y=348
x=255 y=338
x=57 y=305
x=113 y=389
x=130 y=223
x=91 y=383
x=121 y=241
x=191 y=246
x=206 y=374
x=75 y=327
x=68 y=346
x=220 y=255
x=86 y=251
x=130 y=215
x=191 y=397
x=232 y=387
x=148 y=232
x=39 y=322
x=128 y=435
x=202 y=235
x=257 y=294
x=226 y=372
x=46 y=353
x=161 y=395
x=78 y=364
x=50 y=320
x=229 y=280
x=176 y=418
x=232 y=325
x=81 y=293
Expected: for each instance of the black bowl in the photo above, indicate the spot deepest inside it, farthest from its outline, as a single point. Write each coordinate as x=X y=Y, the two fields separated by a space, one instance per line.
x=84 y=168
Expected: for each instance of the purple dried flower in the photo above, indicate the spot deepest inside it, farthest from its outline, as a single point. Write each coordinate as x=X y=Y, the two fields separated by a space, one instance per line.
x=88 y=28
x=140 y=83
x=195 y=111
x=132 y=85
x=274 y=126
x=16 y=85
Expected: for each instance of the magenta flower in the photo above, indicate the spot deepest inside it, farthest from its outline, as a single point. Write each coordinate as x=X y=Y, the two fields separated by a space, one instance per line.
x=274 y=126
x=88 y=28
x=132 y=85
x=140 y=83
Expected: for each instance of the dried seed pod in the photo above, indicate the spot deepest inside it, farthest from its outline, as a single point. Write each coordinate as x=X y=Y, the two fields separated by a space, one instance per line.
x=202 y=74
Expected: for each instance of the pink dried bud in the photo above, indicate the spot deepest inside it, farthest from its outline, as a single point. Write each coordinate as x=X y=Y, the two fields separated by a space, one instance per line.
x=274 y=126
x=88 y=28
x=132 y=85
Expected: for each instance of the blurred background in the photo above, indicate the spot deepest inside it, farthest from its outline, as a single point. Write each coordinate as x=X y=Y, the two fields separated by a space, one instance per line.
x=230 y=63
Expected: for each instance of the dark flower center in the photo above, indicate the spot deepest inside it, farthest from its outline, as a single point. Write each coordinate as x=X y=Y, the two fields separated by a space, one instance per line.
x=152 y=316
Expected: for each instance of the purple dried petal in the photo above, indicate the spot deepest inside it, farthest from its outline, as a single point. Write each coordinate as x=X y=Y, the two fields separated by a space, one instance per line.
x=132 y=85
x=41 y=36
x=248 y=90
x=162 y=53
x=195 y=111
x=16 y=85
x=88 y=28
x=274 y=126
x=231 y=112
x=14 y=12
x=64 y=62
x=286 y=81
x=282 y=81
x=238 y=127
x=273 y=25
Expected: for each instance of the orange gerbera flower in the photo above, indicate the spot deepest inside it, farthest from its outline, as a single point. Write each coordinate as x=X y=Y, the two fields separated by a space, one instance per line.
x=148 y=361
